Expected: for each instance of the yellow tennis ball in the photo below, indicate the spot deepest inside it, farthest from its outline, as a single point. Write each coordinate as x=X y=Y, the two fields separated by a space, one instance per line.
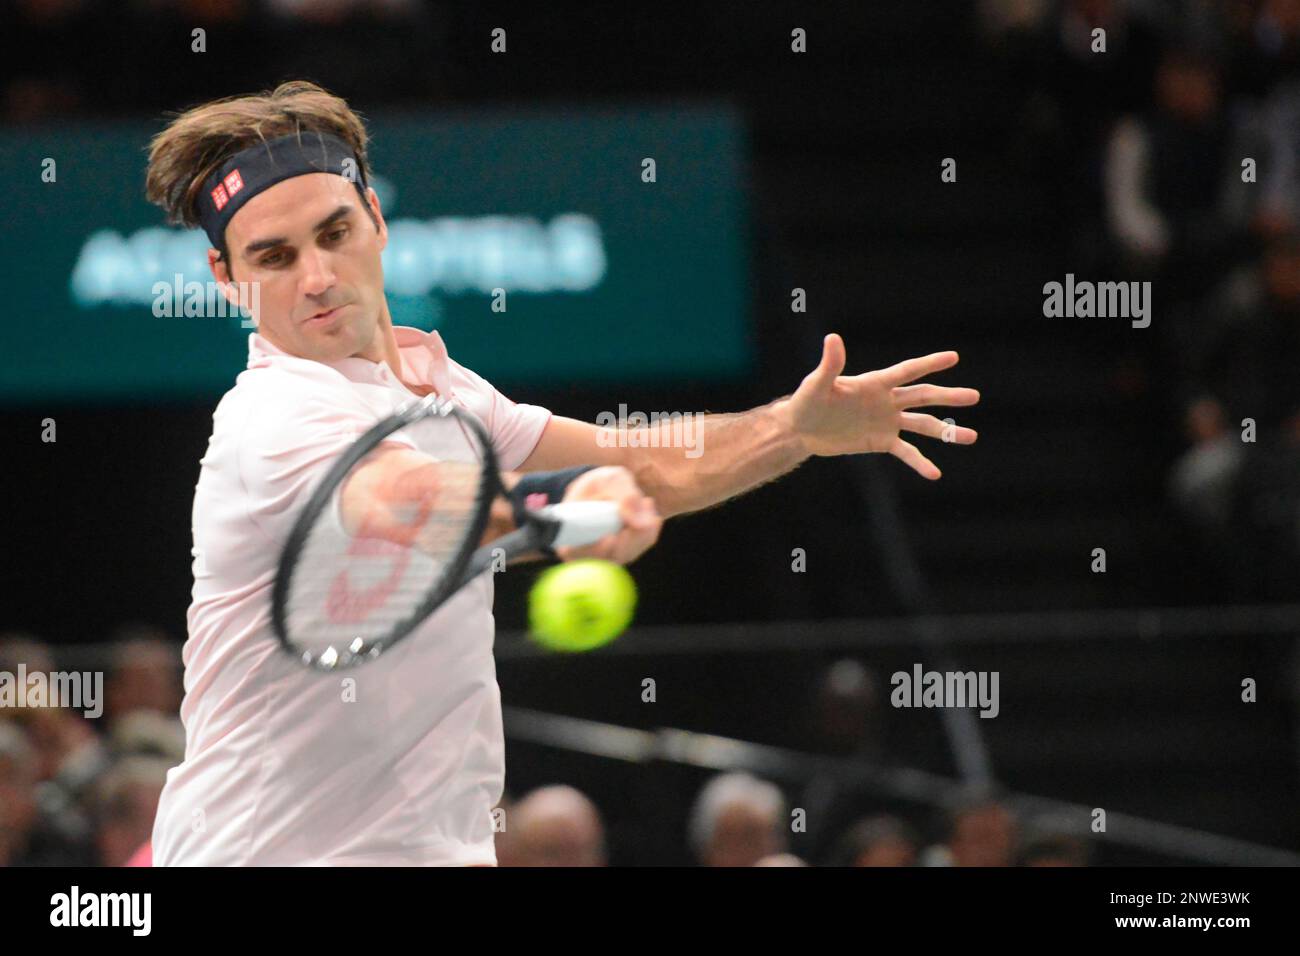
x=580 y=605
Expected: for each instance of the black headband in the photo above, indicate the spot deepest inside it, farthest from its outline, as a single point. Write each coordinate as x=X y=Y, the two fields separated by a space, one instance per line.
x=264 y=164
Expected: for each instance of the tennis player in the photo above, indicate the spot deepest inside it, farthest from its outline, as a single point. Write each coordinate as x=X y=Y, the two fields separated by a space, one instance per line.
x=399 y=763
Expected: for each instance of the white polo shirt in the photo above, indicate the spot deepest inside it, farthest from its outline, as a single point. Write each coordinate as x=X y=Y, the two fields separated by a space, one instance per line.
x=398 y=762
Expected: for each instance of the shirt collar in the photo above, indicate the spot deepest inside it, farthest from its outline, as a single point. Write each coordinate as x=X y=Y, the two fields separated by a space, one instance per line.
x=423 y=354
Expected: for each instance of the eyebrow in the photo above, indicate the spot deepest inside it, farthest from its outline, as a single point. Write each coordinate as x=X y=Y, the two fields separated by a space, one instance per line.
x=260 y=244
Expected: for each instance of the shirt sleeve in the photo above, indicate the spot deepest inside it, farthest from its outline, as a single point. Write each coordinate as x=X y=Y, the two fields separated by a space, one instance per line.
x=515 y=428
x=287 y=447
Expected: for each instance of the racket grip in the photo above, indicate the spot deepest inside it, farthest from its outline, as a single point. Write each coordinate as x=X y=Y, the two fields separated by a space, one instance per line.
x=582 y=522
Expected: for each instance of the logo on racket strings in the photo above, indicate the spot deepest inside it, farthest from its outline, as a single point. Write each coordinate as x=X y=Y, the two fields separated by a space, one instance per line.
x=382 y=535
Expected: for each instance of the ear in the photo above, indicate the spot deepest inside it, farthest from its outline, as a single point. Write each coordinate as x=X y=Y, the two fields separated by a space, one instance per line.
x=372 y=198
x=221 y=272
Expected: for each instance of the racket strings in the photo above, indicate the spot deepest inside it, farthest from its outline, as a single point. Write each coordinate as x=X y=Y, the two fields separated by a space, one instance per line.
x=356 y=582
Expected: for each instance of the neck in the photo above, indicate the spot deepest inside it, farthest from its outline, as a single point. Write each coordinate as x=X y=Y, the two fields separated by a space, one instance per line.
x=383 y=347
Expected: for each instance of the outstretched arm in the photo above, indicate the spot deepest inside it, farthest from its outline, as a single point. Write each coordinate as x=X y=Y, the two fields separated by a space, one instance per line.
x=699 y=462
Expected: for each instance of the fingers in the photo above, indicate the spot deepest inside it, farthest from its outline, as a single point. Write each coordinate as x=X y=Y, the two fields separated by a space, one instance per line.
x=931 y=427
x=641 y=519
x=638 y=512
x=630 y=545
x=911 y=456
x=641 y=526
x=623 y=548
x=832 y=363
x=913 y=369
x=919 y=396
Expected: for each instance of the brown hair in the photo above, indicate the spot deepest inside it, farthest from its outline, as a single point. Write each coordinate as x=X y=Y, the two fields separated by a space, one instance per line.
x=200 y=139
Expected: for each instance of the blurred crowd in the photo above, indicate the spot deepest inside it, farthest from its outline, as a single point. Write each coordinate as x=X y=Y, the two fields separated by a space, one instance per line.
x=739 y=820
x=103 y=57
x=83 y=792
x=1173 y=156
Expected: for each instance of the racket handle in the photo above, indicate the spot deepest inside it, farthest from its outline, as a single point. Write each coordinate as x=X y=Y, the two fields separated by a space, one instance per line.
x=582 y=522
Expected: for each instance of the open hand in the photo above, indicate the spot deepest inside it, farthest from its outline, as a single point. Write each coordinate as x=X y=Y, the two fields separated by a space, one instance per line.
x=838 y=414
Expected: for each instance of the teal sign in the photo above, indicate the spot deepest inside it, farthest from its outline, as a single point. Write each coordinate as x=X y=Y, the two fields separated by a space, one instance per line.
x=607 y=277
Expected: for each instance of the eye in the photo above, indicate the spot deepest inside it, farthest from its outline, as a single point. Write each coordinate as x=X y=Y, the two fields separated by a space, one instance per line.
x=274 y=259
x=336 y=235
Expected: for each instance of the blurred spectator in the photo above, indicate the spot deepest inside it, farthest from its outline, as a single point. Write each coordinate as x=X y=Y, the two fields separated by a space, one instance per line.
x=1203 y=481
x=17 y=793
x=781 y=859
x=28 y=836
x=125 y=802
x=145 y=674
x=67 y=749
x=1172 y=183
x=937 y=854
x=877 y=841
x=981 y=832
x=1073 y=94
x=1090 y=87
x=554 y=826
x=1250 y=340
x=1277 y=140
x=846 y=722
x=19 y=648
x=1266 y=46
x=846 y=712
x=146 y=733
x=1053 y=843
x=737 y=820
x=1241 y=499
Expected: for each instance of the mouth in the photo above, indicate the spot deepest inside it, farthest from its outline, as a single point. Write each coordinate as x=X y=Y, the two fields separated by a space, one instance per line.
x=321 y=318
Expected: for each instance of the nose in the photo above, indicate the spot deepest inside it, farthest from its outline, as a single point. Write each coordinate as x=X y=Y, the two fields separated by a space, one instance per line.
x=317 y=271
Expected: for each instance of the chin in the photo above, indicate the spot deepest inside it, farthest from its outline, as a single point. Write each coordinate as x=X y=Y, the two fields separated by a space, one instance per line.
x=328 y=347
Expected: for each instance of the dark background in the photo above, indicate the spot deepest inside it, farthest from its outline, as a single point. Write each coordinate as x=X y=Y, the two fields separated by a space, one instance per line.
x=1080 y=423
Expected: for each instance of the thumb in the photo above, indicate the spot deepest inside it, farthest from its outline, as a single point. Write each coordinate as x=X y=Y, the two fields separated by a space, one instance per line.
x=832 y=363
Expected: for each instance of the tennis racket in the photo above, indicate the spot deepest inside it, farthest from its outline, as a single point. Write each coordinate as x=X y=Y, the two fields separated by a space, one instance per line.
x=344 y=595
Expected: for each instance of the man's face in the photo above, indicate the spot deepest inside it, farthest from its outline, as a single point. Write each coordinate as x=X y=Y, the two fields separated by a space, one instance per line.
x=742 y=836
x=984 y=836
x=891 y=851
x=314 y=253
